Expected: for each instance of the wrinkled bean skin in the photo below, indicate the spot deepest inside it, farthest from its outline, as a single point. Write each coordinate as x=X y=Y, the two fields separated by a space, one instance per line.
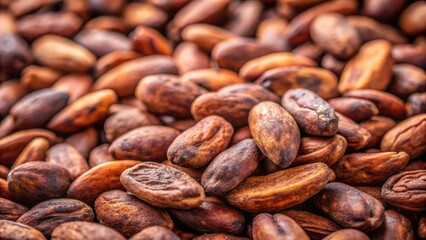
x=317 y=227
x=110 y=206
x=278 y=226
x=48 y=215
x=253 y=90
x=275 y=132
x=320 y=149
x=313 y=114
x=395 y=226
x=231 y=167
x=34 y=182
x=406 y=190
x=155 y=233
x=148 y=143
x=79 y=230
x=212 y=215
x=407 y=136
x=163 y=186
x=13 y=230
x=369 y=168
x=10 y=210
x=350 y=207
x=198 y=145
x=274 y=192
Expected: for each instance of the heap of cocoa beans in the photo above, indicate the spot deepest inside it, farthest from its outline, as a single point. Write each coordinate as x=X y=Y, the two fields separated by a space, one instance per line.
x=212 y=119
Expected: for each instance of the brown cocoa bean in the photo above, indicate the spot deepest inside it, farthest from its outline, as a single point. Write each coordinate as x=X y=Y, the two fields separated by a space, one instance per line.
x=48 y=215
x=350 y=207
x=369 y=168
x=80 y=230
x=149 y=143
x=34 y=182
x=198 y=145
x=10 y=210
x=370 y=68
x=406 y=190
x=233 y=107
x=321 y=81
x=68 y=157
x=212 y=215
x=84 y=112
x=110 y=207
x=395 y=226
x=407 y=136
x=231 y=167
x=163 y=186
x=168 y=95
x=276 y=191
x=278 y=226
x=275 y=132
x=312 y=113
x=13 y=230
x=102 y=178
x=317 y=149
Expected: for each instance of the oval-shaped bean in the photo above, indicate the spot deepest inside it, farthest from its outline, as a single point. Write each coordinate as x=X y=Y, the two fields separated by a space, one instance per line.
x=62 y=54
x=312 y=113
x=377 y=126
x=104 y=177
x=278 y=226
x=212 y=215
x=147 y=143
x=34 y=182
x=356 y=136
x=84 y=112
x=369 y=168
x=275 y=132
x=80 y=230
x=388 y=104
x=281 y=189
x=395 y=226
x=14 y=230
x=334 y=34
x=406 y=190
x=231 y=167
x=36 y=108
x=163 y=186
x=198 y=145
x=232 y=107
x=319 y=80
x=168 y=95
x=254 y=90
x=110 y=207
x=371 y=68
x=407 y=136
x=318 y=149
x=350 y=207
x=68 y=157
x=354 y=108
x=10 y=210
x=48 y=215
